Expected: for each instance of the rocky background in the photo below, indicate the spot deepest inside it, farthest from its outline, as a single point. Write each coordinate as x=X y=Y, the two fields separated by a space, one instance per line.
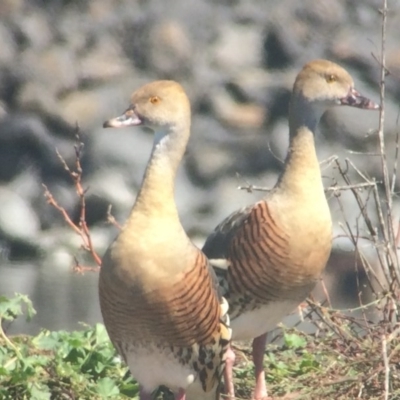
x=66 y=63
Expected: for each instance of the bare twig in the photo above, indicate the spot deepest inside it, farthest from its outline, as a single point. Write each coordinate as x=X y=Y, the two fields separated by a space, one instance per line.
x=81 y=228
x=329 y=161
x=350 y=187
x=385 y=172
x=362 y=153
x=249 y=187
x=386 y=368
x=50 y=200
x=111 y=219
x=396 y=156
x=277 y=158
x=253 y=188
x=326 y=293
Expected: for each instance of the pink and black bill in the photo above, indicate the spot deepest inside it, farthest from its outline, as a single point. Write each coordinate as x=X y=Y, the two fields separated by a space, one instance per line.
x=128 y=118
x=355 y=99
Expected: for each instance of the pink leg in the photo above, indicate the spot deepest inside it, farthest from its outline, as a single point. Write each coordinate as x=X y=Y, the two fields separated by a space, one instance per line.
x=181 y=395
x=228 y=374
x=143 y=395
x=260 y=391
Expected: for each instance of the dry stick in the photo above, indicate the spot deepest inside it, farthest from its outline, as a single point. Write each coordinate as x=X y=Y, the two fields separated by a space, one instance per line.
x=340 y=236
x=328 y=298
x=392 y=253
x=360 y=392
x=386 y=367
x=363 y=153
x=277 y=158
x=398 y=235
x=396 y=157
x=81 y=193
x=328 y=161
x=359 y=291
x=371 y=273
x=111 y=219
x=382 y=109
x=367 y=220
x=348 y=232
x=51 y=200
x=389 y=243
x=85 y=235
x=360 y=204
x=77 y=179
x=333 y=188
x=362 y=175
x=350 y=187
x=382 y=260
x=253 y=188
x=323 y=314
x=355 y=237
x=81 y=229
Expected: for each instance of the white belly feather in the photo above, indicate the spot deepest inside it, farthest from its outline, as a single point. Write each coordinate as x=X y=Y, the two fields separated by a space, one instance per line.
x=155 y=367
x=254 y=323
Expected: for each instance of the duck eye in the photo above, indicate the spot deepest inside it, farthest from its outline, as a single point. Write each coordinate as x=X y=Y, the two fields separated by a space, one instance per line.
x=154 y=100
x=331 y=78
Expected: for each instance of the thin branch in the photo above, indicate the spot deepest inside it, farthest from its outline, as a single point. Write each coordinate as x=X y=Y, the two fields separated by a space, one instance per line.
x=51 y=200
x=9 y=342
x=81 y=228
x=249 y=187
x=396 y=155
x=349 y=187
x=273 y=154
x=362 y=153
x=111 y=219
x=360 y=204
x=386 y=368
x=329 y=161
x=326 y=293
x=361 y=174
x=253 y=188
x=381 y=135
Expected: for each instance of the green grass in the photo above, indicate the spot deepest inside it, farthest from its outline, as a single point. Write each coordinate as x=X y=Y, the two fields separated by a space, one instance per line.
x=60 y=365
x=342 y=364
x=309 y=367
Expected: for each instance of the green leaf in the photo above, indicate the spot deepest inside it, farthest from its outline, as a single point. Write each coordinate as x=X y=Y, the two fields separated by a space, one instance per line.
x=130 y=389
x=10 y=309
x=39 y=392
x=106 y=387
x=294 y=341
x=46 y=340
x=101 y=334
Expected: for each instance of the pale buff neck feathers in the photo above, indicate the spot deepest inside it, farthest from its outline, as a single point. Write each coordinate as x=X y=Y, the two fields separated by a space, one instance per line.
x=163 y=107
x=320 y=85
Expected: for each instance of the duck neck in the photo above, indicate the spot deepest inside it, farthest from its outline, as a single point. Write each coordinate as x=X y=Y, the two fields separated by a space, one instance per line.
x=302 y=175
x=156 y=196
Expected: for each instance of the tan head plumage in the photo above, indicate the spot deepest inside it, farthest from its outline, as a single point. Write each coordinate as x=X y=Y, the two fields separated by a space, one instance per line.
x=157 y=105
x=328 y=83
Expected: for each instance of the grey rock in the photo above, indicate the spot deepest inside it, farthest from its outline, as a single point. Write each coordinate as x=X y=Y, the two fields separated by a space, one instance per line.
x=18 y=220
x=235 y=39
x=34 y=26
x=68 y=62
x=8 y=45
